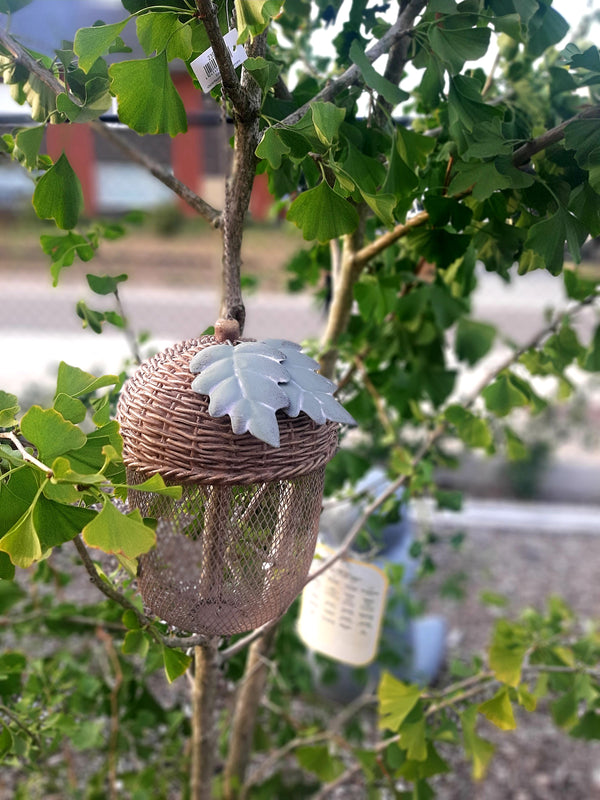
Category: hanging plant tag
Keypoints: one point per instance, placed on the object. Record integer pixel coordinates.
(205, 67)
(342, 610)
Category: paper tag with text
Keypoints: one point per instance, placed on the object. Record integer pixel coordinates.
(205, 67)
(342, 610)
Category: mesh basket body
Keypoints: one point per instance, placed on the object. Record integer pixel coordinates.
(235, 550)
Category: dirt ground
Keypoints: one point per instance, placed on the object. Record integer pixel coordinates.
(536, 761)
(191, 259)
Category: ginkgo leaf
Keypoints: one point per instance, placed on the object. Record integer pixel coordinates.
(243, 382)
(121, 534)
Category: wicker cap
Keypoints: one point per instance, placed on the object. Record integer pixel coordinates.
(167, 429)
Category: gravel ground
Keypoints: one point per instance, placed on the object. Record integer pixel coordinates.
(536, 761)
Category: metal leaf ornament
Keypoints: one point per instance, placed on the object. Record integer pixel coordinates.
(251, 381)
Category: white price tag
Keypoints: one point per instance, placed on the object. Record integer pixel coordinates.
(342, 610)
(205, 67)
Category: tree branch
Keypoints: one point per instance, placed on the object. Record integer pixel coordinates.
(163, 174)
(524, 153)
(401, 28)
(247, 703)
(50, 80)
(238, 190)
(204, 741)
(232, 87)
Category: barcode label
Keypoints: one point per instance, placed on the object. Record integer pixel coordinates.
(211, 68)
(205, 67)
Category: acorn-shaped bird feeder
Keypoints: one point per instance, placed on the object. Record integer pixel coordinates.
(246, 428)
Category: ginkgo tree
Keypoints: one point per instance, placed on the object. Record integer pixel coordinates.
(410, 161)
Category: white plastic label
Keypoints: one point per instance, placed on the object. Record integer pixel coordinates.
(342, 610)
(205, 67)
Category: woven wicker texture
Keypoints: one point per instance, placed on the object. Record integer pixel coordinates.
(166, 428)
(235, 550)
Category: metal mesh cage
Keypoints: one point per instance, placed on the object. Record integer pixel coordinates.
(234, 551)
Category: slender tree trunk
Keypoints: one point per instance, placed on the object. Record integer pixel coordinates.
(248, 700)
(204, 740)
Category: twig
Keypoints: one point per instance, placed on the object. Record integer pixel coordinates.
(204, 209)
(19, 722)
(524, 153)
(386, 423)
(50, 80)
(26, 456)
(129, 334)
(402, 28)
(113, 740)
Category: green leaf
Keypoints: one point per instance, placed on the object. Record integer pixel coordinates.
(318, 760)
(51, 433)
(57, 523)
(9, 407)
(91, 43)
(272, 147)
(175, 662)
(502, 396)
(71, 409)
(327, 119)
(7, 570)
(382, 205)
(97, 102)
(396, 701)
(547, 241)
(163, 31)
(473, 340)
(105, 284)
(468, 115)
(74, 382)
(375, 297)
(62, 473)
(498, 709)
(473, 431)
(253, 16)
(6, 737)
(583, 136)
(588, 727)
(515, 448)
(264, 72)
(148, 100)
(136, 643)
(455, 46)
(156, 484)
(12, 6)
(58, 195)
(28, 142)
(21, 542)
(479, 750)
(545, 29)
(63, 248)
(121, 534)
(322, 214)
(413, 739)
(591, 360)
(388, 90)
(509, 645)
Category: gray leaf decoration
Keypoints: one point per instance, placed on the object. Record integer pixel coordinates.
(307, 390)
(252, 381)
(244, 382)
